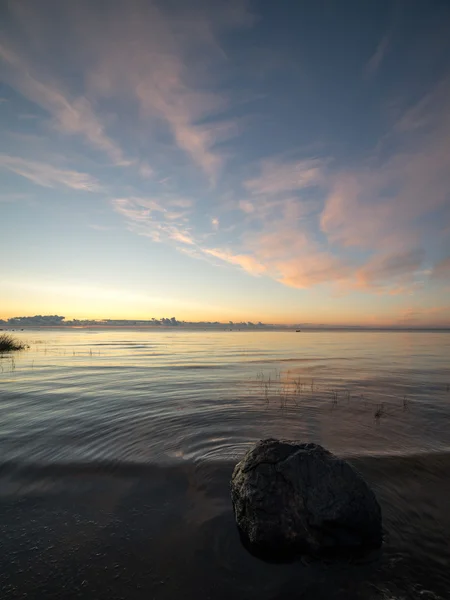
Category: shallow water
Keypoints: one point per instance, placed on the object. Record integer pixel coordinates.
(140, 396)
(116, 449)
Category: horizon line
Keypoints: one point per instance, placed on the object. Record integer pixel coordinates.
(55, 321)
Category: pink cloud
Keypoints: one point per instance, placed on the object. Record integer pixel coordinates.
(164, 62)
(313, 269)
(157, 59)
(357, 214)
(245, 261)
(49, 176)
(382, 206)
(180, 236)
(303, 222)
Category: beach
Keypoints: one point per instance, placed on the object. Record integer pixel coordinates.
(169, 532)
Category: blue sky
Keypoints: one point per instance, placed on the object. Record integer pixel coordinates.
(284, 162)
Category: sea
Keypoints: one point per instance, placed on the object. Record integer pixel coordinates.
(117, 446)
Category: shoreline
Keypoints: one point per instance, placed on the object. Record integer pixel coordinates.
(137, 531)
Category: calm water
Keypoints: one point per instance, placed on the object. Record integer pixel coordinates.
(155, 396)
(116, 450)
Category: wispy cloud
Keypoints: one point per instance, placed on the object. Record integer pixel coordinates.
(150, 218)
(70, 116)
(49, 176)
(382, 205)
(245, 261)
(308, 223)
(179, 236)
(164, 63)
(363, 228)
(377, 58)
(161, 63)
(278, 177)
(391, 270)
(147, 83)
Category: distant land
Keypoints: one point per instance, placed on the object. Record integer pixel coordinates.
(165, 322)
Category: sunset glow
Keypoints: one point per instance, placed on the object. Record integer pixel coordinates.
(226, 161)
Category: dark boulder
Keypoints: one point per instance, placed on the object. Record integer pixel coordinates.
(292, 498)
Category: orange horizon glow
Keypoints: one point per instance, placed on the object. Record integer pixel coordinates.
(326, 321)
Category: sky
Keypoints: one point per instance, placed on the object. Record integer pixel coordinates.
(287, 162)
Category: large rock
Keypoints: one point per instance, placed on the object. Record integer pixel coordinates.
(292, 498)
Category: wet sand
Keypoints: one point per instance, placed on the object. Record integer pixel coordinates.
(128, 531)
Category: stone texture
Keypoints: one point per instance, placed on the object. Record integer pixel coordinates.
(292, 498)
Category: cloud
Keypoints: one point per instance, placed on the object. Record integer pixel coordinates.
(372, 217)
(391, 270)
(146, 171)
(154, 74)
(246, 206)
(245, 261)
(313, 269)
(49, 176)
(165, 62)
(354, 213)
(70, 116)
(384, 204)
(180, 236)
(283, 248)
(313, 222)
(150, 218)
(162, 63)
(377, 58)
(277, 178)
(281, 242)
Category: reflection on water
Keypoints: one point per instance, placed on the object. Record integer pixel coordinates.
(140, 396)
